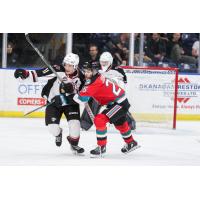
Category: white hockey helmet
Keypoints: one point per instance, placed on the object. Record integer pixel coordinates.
(106, 60)
(71, 59)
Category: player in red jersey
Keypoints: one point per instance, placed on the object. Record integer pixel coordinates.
(105, 92)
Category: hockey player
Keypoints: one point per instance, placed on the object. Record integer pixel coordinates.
(53, 92)
(115, 74)
(106, 92)
(109, 71)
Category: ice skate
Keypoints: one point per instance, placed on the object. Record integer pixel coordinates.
(98, 152)
(75, 148)
(130, 147)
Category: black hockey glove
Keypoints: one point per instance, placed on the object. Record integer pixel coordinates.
(21, 73)
(66, 88)
(60, 100)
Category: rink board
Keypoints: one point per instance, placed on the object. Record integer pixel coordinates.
(17, 98)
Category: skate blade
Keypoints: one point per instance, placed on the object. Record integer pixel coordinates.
(136, 147)
(97, 156)
(77, 154)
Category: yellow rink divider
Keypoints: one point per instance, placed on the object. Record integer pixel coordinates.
(21, 114)
(188, 117)
(139, 117)
(164, 117)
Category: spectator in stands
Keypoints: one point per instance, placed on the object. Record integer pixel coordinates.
(12, 57)
(195, 49)
(156, 48)
(93, 54)
(177, 53)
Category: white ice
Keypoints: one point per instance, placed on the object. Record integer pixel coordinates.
(27, 142)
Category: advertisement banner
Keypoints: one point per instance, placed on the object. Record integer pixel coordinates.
(18, 97)
(188, 102)
(151, 93)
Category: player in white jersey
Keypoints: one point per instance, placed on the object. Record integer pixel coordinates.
(53, 90)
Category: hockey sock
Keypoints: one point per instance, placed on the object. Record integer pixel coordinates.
(101, 137)
(100, 121)
(73, 141)
(125, 132)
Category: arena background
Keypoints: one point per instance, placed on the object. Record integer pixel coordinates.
(78, 16)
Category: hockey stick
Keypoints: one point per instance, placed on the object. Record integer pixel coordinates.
(42, 57)
(28, 113)
(56, 74)
(89, 111)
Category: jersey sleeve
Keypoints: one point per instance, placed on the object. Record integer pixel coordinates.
(84, 95)
(121, 71)
(46, 71)
(88, 91)
(82, 79)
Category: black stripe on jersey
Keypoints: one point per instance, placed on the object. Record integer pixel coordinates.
(127, 137)
(102, 138)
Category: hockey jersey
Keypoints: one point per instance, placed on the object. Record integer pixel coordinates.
(103, 90)
(52, 88)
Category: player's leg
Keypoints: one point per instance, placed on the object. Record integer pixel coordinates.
(100, 121)
(125, 131)
(117, 114)
(110, 114)
(72, 114)
(52, 120)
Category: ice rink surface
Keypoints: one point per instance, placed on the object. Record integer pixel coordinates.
(27, 142)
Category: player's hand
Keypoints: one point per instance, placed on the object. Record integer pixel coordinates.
(66, 88)
(60, 100)
(21, 73)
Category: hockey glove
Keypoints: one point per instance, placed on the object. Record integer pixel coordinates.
(21, 73)
(66, 88)
(60, 100)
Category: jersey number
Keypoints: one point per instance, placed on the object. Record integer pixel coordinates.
(114, 89)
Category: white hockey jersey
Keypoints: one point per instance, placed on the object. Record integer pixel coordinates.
(53, 84)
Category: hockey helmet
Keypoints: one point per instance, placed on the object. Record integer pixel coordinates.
(106, 60)
(71, 59)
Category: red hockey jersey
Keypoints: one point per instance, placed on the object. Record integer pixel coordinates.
(103, 91)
